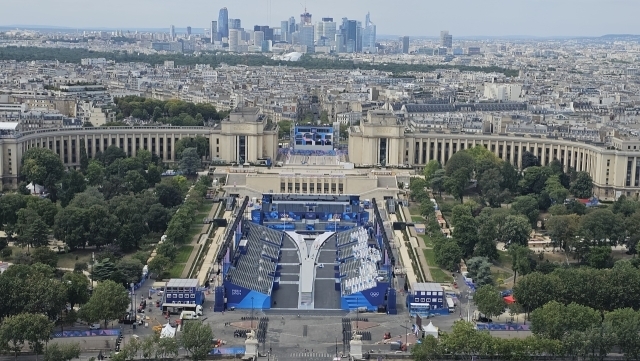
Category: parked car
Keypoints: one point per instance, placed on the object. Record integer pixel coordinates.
(95, 326)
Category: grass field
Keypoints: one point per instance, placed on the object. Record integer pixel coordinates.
(183, 254)
(430, 257)
(505, 259)
(176, 270)
(204, 210)
(440, 275)
(417, 219)
(427, 241)
(68, 260)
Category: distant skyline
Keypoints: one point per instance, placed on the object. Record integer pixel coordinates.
(542, 18)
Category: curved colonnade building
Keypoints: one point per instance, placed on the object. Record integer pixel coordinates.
(382, 139)
(243, 137)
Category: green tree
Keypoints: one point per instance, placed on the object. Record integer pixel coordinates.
(582, 187)
(32, 329)
(32, 231)
(489, 301)
(418, 192)
(95, 173)
(429, 349)
(196, 339)
(135, 182)
(159, 264)
(600, 257)
(625, 326)
(430, 170)
(448, 254)
(84, 159)
(72, 227)
(154, 174)
(62, 352)
(479, 270)
(45, 256)
(535, 290)
(489, 182)
(601, 226)
(460, 161)
(557, 192)
(529, 160)
(169, 194)
(457, 183)
(528, 207)
(466, 235)
(189, 161)
(131, 269)
(77, 288)
(108, 301)
(555, 320)
(520, 260)
(534, 180)
(111, 154)
(42, 166)
(73, 183)
(510, 177)
(437, 181)
(516, 230)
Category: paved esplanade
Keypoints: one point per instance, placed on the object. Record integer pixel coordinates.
(308, 254)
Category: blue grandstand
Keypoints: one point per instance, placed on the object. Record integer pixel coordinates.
(306, 252)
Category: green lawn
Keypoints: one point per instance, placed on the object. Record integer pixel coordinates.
(505, 259)
(68, 260)
(195, 230)
(427, 241)
(183, 254)
(204, 210)
(430, 257)
(176, 270)
(417, 219)
(440, 275)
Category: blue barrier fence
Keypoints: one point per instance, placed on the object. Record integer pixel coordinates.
(501, 327)
(86, 333)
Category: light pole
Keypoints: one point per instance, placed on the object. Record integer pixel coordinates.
(406, 335)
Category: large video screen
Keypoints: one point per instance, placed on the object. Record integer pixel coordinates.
(313, 138)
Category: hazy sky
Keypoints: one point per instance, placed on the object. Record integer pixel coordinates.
(392, 17)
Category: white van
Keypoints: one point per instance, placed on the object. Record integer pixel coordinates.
(188, 315)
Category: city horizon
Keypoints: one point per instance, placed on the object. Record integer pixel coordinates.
(204, 30)
(544, 20)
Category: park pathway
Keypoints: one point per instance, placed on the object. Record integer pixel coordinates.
(199, 240)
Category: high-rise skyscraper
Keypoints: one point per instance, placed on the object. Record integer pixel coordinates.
(235, 24)
(214, 31)
(189, 30)
(305, 18)
(284, 31)
(352, 35)
(234, 39)
(306, 37)
(172, 32)
(292, 25)
(405, 45)
(446, 40)
(369, 36)
(258, 38)
(326, 31)
(223, 23)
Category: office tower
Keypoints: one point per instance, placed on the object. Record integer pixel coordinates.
(369, 36)
(266, 46)
(305, 18)
(234, 39)
(268, 32)
(340, 48)
(352, 35)
(235, 24)
(172, 32)
(188, 31)
(292, 25)
(306, 37)
(258, 38)
(446, 40)
(223, 23)
(325, 31)
(284, 31)
(405, 45)
(214, 31)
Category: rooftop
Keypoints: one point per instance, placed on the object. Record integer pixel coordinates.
(429, 286)
(182, 282)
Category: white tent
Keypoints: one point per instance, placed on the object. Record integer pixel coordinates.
(167, 331)
(430, 329)
(35, 188)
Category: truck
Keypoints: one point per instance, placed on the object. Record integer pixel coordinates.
(451, 305)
